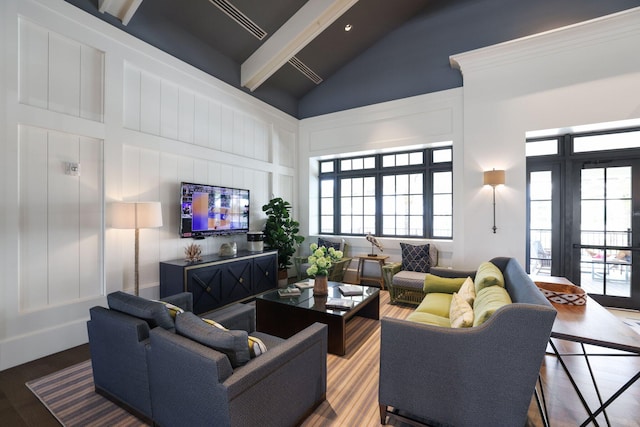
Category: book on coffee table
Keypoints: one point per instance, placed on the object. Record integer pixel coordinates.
(305, 284)
(349, 290)
(339, 303)
(291, 291)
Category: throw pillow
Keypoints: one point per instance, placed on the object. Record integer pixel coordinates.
(468, 291)
(255, 344)
(173, 310)
(415, 258)
(460, 312)
(488, 275)
(338, 246)
(232, 343)
(445, 285)
(488, 300)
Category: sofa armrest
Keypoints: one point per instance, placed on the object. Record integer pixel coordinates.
(285, 383)
(464, 376)
(388, 271)
(184, 300)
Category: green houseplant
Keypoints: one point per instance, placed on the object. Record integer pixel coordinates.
(281, 232)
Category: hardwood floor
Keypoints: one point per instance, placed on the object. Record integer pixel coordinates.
(352, 389)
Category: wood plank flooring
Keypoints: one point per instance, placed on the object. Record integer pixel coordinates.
(352, 390)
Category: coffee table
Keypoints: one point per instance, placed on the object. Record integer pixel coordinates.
(284, 317)
(591, 324)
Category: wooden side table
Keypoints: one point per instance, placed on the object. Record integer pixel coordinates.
(380, 259)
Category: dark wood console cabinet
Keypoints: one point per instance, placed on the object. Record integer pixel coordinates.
(216, 281)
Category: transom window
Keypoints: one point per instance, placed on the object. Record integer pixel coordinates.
(403, 194)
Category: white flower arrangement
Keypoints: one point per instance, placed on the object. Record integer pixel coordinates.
(321, 260)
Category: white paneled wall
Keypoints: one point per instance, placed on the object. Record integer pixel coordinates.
(163, 108)
(61, 218)
(138, 122)
(60, 74)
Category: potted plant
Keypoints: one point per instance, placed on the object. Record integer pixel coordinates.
(281, 233)
(321, 260)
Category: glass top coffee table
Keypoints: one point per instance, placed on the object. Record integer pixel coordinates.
(285, 316)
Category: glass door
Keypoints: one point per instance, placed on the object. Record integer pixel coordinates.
(608, 256)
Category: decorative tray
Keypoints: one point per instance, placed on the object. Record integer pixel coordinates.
(563, 293)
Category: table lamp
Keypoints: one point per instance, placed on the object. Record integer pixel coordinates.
(136, 215)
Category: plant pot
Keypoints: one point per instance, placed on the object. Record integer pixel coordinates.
(320, 285)
(283, 278)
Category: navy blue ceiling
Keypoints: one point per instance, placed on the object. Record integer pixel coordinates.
(402, 49)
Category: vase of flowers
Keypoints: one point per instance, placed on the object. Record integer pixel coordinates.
(321, 260)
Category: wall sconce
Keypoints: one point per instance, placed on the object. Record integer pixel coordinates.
(136, 215)
(494, 178)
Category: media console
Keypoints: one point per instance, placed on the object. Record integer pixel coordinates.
(216, 281)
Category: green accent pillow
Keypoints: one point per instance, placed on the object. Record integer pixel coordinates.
(487, 302)
(428, 318)
(488, 275)
(436, 303)
(460, 313)
(447, 285)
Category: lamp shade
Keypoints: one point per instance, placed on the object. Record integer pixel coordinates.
(129, 215)
(494, 177)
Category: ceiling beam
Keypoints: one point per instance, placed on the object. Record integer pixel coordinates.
(121, 9)
(292, 37)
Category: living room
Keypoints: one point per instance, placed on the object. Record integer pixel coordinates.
(60, 254)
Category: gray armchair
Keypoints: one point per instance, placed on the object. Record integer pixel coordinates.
(479, 376)
(194, 385)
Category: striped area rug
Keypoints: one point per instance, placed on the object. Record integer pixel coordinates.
(352, 384)
(69, 395)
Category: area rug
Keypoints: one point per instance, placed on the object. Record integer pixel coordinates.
(70, 397)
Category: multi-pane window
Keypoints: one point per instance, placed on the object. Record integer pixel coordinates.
(406, 194)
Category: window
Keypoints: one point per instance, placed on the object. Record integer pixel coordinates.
(404, 194)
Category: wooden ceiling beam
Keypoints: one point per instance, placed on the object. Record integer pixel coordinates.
(312, 18)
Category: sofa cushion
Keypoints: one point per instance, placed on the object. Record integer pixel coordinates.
(447, 285)
(488, 300)
(415, 258)
(488, 275)
(436, 303)
(338, 246)
(429, 318)
(154, 313)
(231, 343)
(460, 312)
(468, 291)
(409, 279)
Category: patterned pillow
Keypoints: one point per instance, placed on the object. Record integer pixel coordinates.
(256, 345)
(460, 312)
(415, 258)
(468, 291)
(329, 244)
(173, 310)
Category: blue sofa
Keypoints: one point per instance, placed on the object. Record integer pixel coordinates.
(478, 376)
(141, 363)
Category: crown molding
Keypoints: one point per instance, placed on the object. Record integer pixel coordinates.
(584, 34)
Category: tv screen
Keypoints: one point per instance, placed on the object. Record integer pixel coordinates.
(210, 210)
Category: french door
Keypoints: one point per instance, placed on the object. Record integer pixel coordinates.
(606, 244)
(584, 221)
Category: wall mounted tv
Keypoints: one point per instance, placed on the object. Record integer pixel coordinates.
(210, 210)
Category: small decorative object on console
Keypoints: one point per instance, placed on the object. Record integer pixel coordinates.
(193, 252)
(228, 249)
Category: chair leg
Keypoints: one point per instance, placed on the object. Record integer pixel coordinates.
(383, 414)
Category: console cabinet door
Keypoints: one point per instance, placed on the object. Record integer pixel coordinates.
(264, 273)
(206, 286)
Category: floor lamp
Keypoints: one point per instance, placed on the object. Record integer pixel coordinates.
(494, 178)
(136, 215)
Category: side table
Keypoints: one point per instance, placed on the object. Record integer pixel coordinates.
(380, 259)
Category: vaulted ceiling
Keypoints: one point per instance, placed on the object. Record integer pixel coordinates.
(298, 56)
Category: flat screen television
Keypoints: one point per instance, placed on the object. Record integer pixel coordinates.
(211, 210)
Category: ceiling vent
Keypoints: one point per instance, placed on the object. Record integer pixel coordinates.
(242, 19)
(300, 66)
